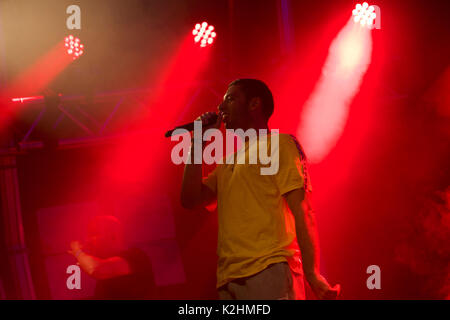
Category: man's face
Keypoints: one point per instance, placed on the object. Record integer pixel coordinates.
(234, 109)
(104, 237)
(99, 245)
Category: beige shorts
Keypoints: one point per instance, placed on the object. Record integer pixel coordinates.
(276, 282)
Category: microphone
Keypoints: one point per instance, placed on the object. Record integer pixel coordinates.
(190, 126)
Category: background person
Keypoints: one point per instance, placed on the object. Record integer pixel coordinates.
(121, 273)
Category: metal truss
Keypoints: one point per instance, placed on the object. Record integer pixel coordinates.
(75, 121)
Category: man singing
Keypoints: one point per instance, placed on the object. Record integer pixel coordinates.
(265, 221)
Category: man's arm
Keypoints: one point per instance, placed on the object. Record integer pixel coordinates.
(97, 268)
(193, 192)
(305, 225)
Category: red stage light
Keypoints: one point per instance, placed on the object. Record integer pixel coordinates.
(364, 14)
(74, 46)
(204, 34)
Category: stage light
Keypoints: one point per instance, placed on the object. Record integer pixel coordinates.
(364, 14)
(74, 46)
(204, 34)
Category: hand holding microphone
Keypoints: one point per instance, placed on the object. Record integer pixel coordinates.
(209, 120)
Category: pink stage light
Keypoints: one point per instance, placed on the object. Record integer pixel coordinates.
(325, 113)
(74, 46)
(364, 14)
(24, 99)
(204, 34)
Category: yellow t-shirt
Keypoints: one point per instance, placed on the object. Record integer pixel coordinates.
(256, 226)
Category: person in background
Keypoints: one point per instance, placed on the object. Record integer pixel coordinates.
(121, 273)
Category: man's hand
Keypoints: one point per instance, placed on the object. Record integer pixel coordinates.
(75, 246)
(207, 116)
(322, 288)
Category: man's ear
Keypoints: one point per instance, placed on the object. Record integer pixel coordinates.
(255, 104)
